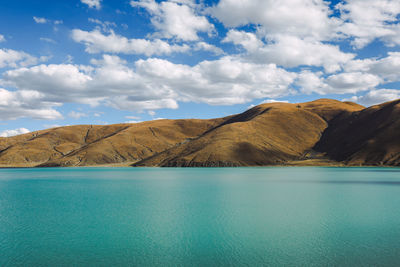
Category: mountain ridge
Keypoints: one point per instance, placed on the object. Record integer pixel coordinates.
(322, 132)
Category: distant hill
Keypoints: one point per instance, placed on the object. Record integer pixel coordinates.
(323, 132)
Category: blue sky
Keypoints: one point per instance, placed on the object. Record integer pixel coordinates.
(72, 62)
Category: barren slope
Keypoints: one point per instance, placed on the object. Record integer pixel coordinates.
(368, 137)
(85, 145)
(321, 132)
(268, 134)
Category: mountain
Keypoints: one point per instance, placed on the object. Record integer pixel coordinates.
(368, 137)
(87, 145)
(268, 134)
(321, 132)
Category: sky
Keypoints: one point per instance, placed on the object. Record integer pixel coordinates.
(69, 62)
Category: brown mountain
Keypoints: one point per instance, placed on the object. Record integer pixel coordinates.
(268, 134)
(321, 132)
(87, 145)
(368, 137)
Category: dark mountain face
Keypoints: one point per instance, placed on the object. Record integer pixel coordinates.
(321, 132)
(367, 137)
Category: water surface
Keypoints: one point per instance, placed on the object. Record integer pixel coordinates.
(295, 216)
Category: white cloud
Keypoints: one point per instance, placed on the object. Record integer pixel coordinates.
(152, 84)
(24, 103)
(76, 115)
(58, 83)
(220, 82)
(96, 42)
(301, 18)
(92, 3)
(342, 83)
(388, 68)
(176, 19)
(13, 58)
(110, 81)
(352, 82)
(8, 133)
(208, 47)
(310, 82)
(290, 51)
(377, 96)
(2, 38)
(366, 20)
(40, 20)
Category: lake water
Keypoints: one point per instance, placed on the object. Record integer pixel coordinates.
(294, 216)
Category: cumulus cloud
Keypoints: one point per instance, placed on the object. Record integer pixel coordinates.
(352, 82)
(301, 18)
(155, 83)
(92, 3)
(176, 19)
(13, 58)
(208, 47)
(24, 103)
(290, 51)
(366, 20)
(97, 42)
(224, 81)
(342, 83)
(58, 83)
(388, 68)
(377, 96)
(152, 84)
(8, 133)
(2, 38)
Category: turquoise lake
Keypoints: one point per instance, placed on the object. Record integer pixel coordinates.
(293, 216)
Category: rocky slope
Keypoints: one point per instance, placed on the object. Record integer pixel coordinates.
(321, 132)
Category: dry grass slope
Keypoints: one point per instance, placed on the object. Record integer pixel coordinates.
(368, 137)
(268, 134)
(324, 132)
(87, 145)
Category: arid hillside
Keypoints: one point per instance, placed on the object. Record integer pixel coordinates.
(367, 137)
(322, 132)
(268, 134)
(90, 145)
